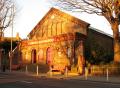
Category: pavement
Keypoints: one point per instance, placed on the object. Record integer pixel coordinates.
(69, 76)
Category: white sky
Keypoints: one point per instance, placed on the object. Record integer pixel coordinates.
(30, 12)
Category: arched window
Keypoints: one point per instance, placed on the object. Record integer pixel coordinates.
(33, 56)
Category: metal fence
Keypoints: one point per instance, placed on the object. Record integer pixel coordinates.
(95, 72)
(103, 70)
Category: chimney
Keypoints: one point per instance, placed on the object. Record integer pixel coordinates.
(17, 36)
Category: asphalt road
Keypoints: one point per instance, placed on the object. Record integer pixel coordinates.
(22, 81)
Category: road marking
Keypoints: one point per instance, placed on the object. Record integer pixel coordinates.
(108, 82)
(2, 77)
(26, 82)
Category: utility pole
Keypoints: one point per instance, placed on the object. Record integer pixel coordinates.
(0, 58)
(11, 54)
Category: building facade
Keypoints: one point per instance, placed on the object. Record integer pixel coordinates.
(62, 41)
(57, 40)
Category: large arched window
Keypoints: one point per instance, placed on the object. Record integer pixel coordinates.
(33, 56)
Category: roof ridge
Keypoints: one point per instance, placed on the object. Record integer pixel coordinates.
(100, 31)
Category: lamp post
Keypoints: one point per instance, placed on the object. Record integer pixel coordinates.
(1, 58)
(11, 54)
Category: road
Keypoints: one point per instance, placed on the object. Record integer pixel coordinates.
(23, 81)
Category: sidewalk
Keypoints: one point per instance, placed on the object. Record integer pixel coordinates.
(104, 79)
(69, 76)
(75, 76)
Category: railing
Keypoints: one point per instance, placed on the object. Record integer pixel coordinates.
(102, 73)
(101, 70)
(95, 73)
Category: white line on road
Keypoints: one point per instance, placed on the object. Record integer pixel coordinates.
(26, 82)
(108, 82)
(2, 77)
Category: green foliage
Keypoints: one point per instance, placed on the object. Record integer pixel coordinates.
(6, 45)
(97, 54)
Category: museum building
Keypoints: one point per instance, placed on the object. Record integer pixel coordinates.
(58, 40)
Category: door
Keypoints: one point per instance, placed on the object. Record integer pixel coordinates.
(33, 56)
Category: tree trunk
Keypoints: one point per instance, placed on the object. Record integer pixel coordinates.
(115, 28)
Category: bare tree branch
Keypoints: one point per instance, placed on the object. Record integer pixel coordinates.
(6, 14)
(107, 8)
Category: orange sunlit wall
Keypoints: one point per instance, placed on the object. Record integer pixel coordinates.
(57, 40)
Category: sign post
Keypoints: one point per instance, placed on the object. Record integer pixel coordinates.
(107, 74)
(37, 70)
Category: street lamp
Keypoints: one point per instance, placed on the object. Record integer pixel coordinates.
(11, 54)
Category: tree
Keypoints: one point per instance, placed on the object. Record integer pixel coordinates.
(96, 53)
(6, 45)
(6, 15)
(110, 9)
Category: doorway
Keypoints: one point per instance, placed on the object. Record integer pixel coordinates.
(33, 56)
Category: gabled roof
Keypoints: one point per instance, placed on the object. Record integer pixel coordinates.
(99, 31)
(60, 13)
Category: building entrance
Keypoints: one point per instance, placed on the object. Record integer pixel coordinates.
(33, 56)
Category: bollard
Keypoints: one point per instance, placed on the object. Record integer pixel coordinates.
(66, 72)
(50, 71)
(107, 74)
(86, 73)
(26, 69)
(37, 70)
(79, 70)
